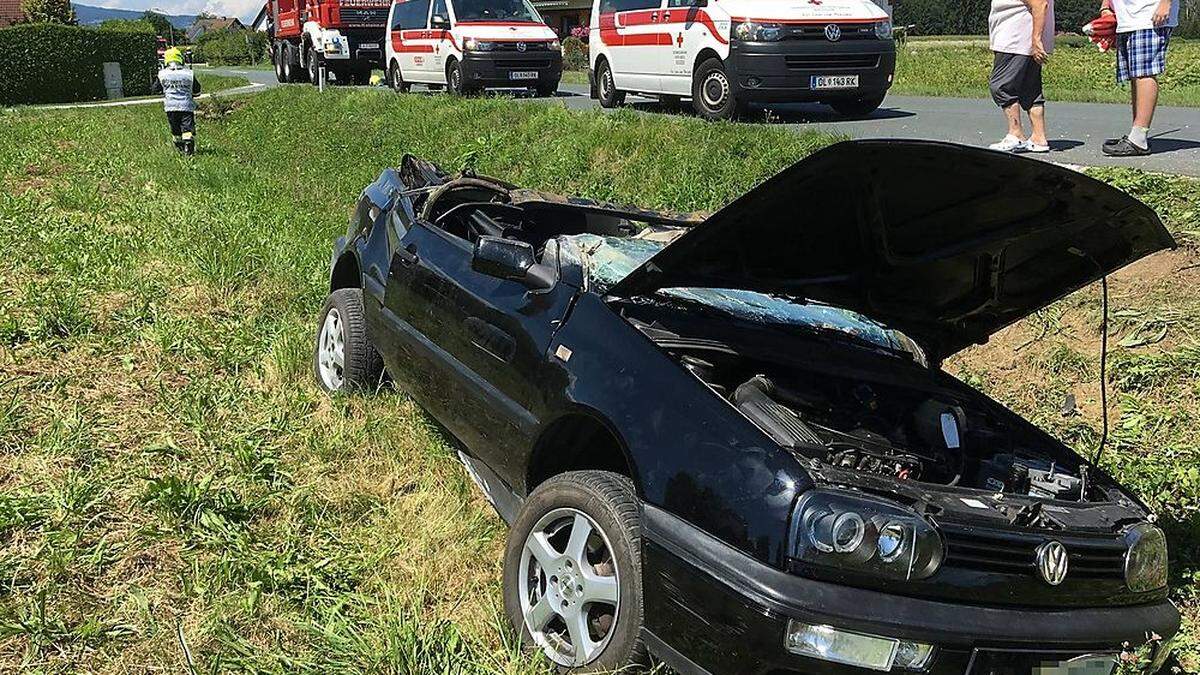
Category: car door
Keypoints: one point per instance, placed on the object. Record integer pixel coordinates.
(690, 30)
(636, 42)
(410, 39)
(478, 343)
(440, 36)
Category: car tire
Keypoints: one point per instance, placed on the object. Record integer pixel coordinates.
(858, 107)
(396, 80)
(289, 70)
(342, 319)
(606, 87)
(277, 61)
(606, 505)
(712, 92)
(313, 67)
(455, 83)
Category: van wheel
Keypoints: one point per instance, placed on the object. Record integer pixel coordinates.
(573, 572)
(456, 82)
(858, 107)
(277, 61)
(314, 67)
(606, 87)
(396, 80)
(712, 92)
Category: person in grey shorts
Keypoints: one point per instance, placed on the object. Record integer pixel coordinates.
(1021, 35)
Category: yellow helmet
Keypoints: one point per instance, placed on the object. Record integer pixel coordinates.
(173, 55)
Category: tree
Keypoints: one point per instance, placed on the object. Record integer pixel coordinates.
(125, 26)
(162, 25)
(49, 11)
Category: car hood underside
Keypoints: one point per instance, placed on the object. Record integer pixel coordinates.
(944, 242)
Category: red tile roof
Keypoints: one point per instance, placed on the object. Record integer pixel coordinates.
(10, 11)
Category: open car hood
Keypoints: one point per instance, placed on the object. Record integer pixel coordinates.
(944, 242)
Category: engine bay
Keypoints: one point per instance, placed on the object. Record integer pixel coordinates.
(910, 424)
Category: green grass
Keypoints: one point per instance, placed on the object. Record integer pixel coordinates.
(1076, 72)
(177, 494)
(211, 82)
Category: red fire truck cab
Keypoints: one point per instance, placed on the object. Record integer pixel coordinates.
(343, 36)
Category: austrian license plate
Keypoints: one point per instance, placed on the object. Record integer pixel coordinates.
(369, 45)
(833, 81)
(1090, 664)
(523, 75)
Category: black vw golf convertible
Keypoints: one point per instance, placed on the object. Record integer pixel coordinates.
(726, 443)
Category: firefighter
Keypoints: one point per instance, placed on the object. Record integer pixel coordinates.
(179, 87)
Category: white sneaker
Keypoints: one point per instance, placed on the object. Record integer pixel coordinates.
(1010, 144)
(1034, 147)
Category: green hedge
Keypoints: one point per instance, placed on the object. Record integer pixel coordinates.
(231, 47)
(52, 63)
(969, 17)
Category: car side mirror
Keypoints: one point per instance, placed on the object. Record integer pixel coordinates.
(439, 21)
(512, 260)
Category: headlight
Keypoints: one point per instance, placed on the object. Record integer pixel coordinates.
(750, 31)
(871, 536)
(554, 45)
(333, 44)
(476, 45)
(1146, 559)
(883, 30)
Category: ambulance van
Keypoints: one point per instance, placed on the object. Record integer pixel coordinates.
(728, 54)
(469, 45)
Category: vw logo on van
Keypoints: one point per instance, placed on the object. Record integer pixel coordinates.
(833, 32)
(1052, 562)
(521, 46)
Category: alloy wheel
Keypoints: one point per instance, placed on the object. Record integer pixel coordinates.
(569, 588)
(331, 351)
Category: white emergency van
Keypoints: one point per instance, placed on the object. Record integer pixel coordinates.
(727, 54)
(468, 45)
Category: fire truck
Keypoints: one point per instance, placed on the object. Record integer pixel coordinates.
(343, 36)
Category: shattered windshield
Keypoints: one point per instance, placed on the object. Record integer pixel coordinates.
(610, 259)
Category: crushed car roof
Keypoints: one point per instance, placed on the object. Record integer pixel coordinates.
(944, 242)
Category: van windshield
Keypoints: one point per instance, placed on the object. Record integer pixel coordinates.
(495, 10)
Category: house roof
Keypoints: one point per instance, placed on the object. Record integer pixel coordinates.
(10, 11)
(201, 26)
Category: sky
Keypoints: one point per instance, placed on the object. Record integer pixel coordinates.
(242, 9)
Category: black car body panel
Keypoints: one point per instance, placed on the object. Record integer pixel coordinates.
(507, 368)
(949, 244)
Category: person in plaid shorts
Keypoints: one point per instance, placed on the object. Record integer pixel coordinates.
(1143, 33)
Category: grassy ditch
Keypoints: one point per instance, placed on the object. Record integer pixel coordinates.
(176, 493)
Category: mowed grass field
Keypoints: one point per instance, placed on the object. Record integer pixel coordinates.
(1077, 71)
(177, 494)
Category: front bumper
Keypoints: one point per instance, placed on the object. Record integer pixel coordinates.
(495, 69)
(713, 609)
(782, 71)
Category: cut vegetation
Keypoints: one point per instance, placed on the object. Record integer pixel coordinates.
(177, 493)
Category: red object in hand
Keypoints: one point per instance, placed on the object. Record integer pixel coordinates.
(1102, 31)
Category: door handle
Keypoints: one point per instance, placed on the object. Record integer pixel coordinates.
(666, 17)
(408, 254)
(653, 16)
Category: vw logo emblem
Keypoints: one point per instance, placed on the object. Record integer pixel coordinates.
(833, 32)
(1052, 562)
(521, 46)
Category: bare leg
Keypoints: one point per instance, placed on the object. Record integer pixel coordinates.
(1037, 123)
(1145, 98)
(1013, 114)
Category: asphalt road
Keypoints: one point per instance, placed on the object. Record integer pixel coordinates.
(1076, 130)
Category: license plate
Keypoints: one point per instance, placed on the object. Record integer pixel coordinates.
(1090, 664)
(523, 75)
(833, 81)
(369, 45)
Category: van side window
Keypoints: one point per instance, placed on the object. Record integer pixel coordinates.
(681, 3)
(439, 9)
(607, 6)
(410, 14)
